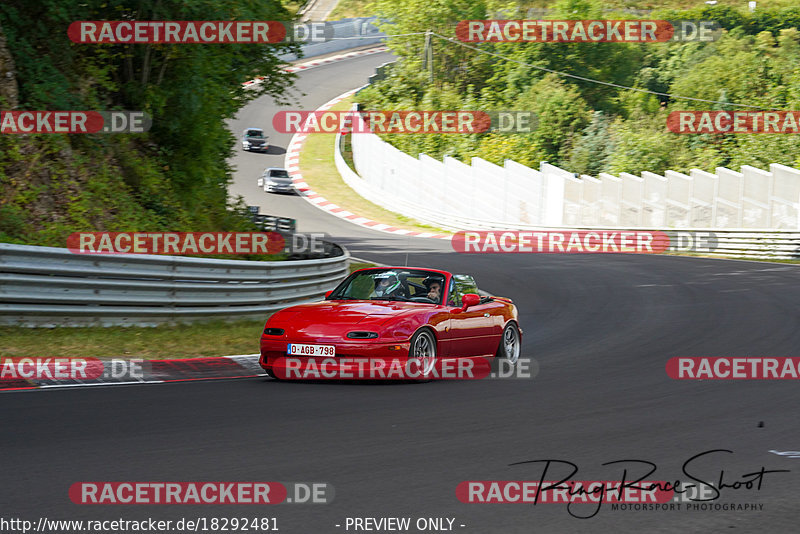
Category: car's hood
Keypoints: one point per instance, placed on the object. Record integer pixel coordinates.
(255, 141)
(334, 318)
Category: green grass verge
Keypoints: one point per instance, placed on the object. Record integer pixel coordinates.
(346, 9)
(319, 171)
(356, 265)
(215, 338)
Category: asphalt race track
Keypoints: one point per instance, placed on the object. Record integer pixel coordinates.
(601, 328)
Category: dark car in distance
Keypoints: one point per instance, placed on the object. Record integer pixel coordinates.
(254, 140)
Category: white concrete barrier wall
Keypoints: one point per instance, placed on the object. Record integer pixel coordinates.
(515, 195)
(347, 33)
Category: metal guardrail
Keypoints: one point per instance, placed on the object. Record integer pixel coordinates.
(271, 223)
(47, 286)
(380, 74)
(739, 243)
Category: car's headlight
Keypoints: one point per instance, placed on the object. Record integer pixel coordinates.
(362, 335)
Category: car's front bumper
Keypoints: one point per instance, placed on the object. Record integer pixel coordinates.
(364, 361)
(277, 188)
(272, 349)
(374, 367)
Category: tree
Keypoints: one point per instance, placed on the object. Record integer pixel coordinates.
(592, 149)
(174, 176)
(644, 144)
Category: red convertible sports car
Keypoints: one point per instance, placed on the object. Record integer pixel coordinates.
(391, 314)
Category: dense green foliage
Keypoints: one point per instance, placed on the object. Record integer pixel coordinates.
(172, 178)
(588, 127)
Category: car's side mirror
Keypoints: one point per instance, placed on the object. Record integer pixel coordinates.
(328, 294)
(470, 299)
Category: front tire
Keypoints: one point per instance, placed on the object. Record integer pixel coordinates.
(423, 350)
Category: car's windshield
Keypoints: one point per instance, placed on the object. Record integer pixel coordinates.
(255, 133)
(413, 285)
(278, 173)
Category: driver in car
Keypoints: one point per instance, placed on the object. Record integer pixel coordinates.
(434, 287)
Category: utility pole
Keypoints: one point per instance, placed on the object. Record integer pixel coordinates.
(429, 54)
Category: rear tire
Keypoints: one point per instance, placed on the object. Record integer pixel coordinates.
(510, 346)
(271, 374)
